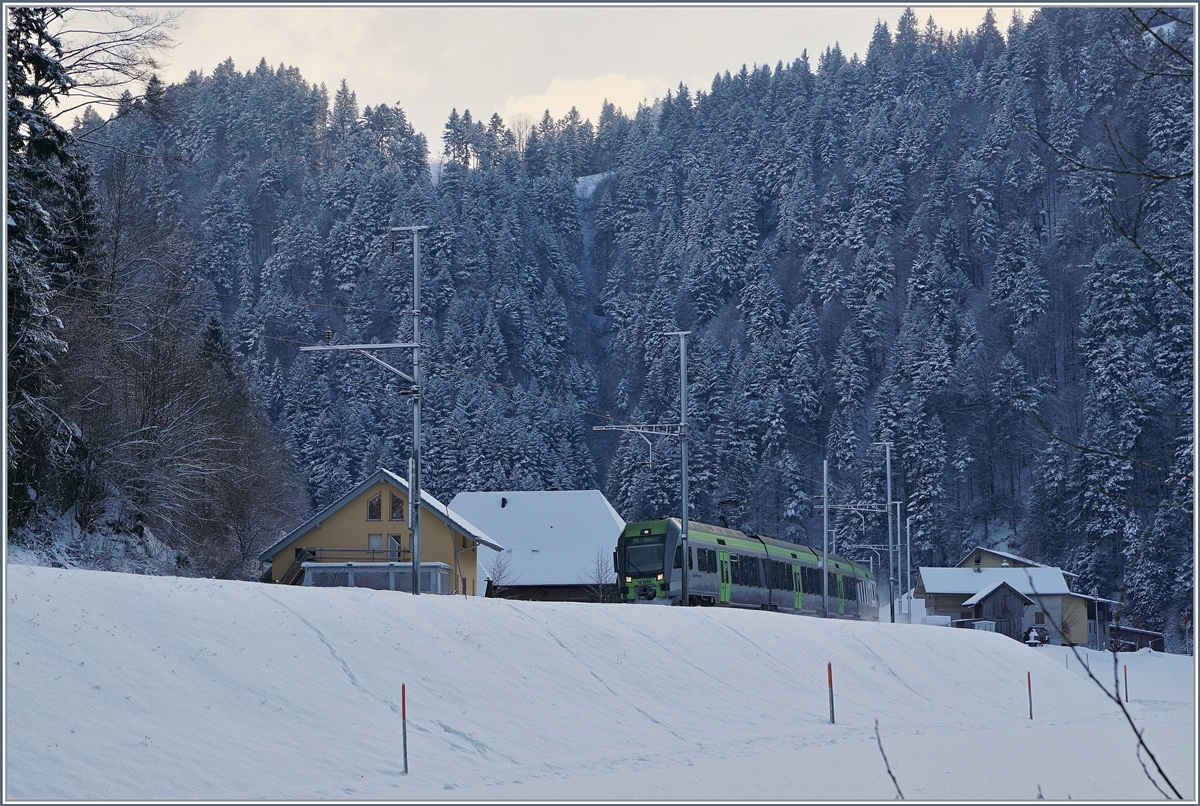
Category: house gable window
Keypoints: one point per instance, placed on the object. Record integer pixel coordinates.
(374, 508)
(397, 508)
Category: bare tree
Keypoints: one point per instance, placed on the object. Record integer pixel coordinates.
(106, 49)
(501, 573)
(599, 578)
(521, 125)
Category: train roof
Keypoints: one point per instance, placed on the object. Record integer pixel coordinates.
(782, 545)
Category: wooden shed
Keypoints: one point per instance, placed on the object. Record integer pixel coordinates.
(1001, 603)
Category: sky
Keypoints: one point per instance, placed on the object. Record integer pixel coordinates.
(123, 687)
(512, 59)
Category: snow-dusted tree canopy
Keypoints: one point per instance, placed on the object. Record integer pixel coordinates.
(977, 247)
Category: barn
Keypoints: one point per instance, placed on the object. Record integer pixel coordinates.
(1001, 604)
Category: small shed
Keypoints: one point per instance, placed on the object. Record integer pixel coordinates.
(1129, 639)
(1002, 604)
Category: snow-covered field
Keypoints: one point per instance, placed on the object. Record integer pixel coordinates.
(135, 687)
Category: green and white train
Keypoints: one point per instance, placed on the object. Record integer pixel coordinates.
(729, 568)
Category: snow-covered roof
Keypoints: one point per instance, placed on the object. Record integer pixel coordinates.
(1029, 581)
(987, 591)
(429, 504)
(1009, 556)
(551, 537)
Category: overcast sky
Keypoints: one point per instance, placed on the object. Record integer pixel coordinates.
(511, 59)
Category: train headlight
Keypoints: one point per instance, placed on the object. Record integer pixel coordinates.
(629, 579)
(660, 577)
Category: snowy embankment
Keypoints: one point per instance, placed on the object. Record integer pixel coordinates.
(134, 687)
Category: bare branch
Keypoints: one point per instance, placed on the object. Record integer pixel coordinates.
(899, 794)
(1115, 697)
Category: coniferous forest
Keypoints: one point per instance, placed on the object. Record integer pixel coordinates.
(975, 246)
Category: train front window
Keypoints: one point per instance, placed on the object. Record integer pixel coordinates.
(644, 555)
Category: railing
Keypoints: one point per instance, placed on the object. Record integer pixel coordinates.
(294, 574)
(358, 555)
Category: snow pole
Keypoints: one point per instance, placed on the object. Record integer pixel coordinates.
(1029, 683)
(404, 726)
(829, 668)
(1126, 670)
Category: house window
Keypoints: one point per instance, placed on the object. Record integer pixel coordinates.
(375, 542)
(373, 508)
(397, 508)
(394, 543)
(1039, 617)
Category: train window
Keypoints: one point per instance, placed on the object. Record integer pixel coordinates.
(752, 567)
(678, 563)
(780, 575)
(706, 560)
(745, 570)
(850, 584)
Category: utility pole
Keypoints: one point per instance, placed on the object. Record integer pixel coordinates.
(683, 476)
(413, 392)
(891, 566)
(825, 534)
(671, 430)
(414, 467)
(908, 577)
(899, 555)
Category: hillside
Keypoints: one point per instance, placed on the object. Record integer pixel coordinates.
(938, 244)
(134, 687)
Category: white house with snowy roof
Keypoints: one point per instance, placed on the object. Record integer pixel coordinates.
(558, 544)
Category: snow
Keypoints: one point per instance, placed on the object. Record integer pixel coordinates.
(552, 537)
(585, 186)
(1029, 581)
(123, 687)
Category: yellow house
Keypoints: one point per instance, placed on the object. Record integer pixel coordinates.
(367, 530)
(1083, 619)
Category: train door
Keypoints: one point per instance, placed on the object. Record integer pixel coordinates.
(723, 569)
(840, 596)
(799, 592)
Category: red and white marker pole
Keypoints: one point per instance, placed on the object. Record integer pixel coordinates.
(404, 726)
(1029, 683)
(829, 668)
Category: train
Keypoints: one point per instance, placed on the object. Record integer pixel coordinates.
(729, 568)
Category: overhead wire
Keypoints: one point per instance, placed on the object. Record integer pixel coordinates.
(605, 416)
